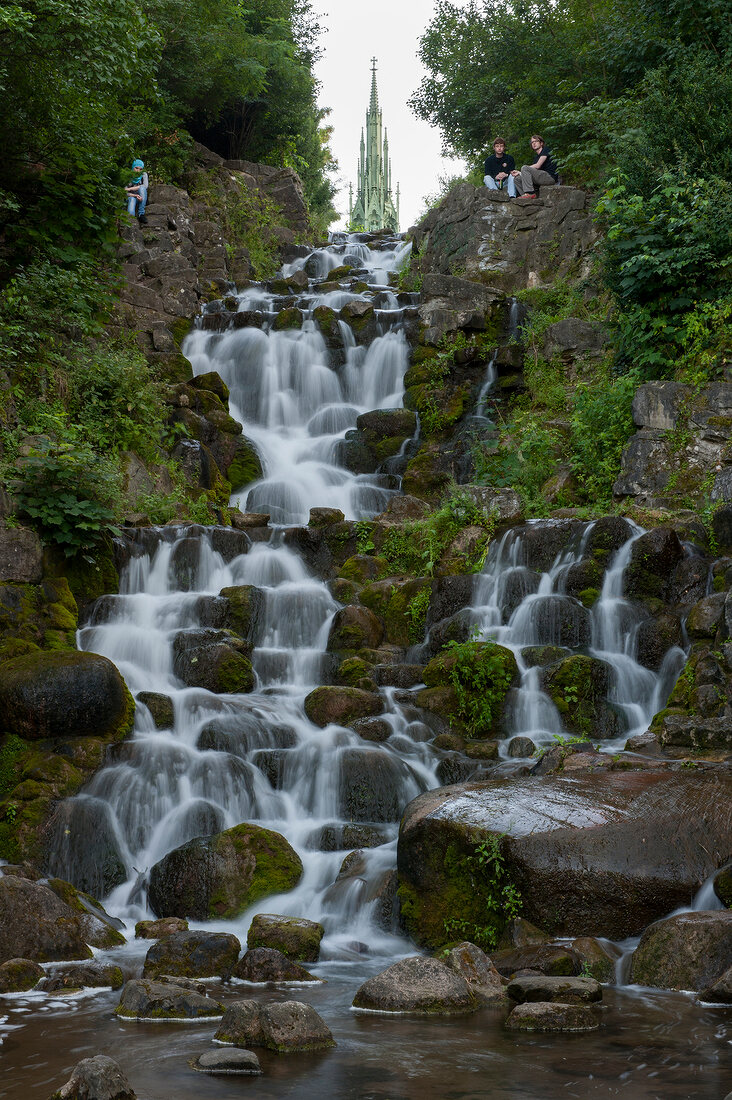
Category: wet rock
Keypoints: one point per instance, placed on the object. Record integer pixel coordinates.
(296, 937)
(723, 886)
(721, 991)
(449, 595)
(599, 853)
(384, 430)
(18, 975)
(521, 747)
(216, 660)
(21, 556)
(689, 951)
(193, 955)
(457, 628)
(689, 581)
(560, 621)
(355, 628)
(479, 972)
(341, 705)
(361, 568)
(64, 694)
(83, 845)
(285, 1027)
(36, 924)
(654, 639)
(267, 964)
(520, 932)
(159, 929)
(372, 729)
(706, 616)
(417, 985)
(150, 1000)
(579, 687)
(244, 732)
(487, 663)
(540, 1016)
(597, 961)
(89, 976)
(228, 1063)
(693, 732)
(541, 543)
(245, 606)
(531, 988)
(160, 707)
(606, 537)
(222, 875)
(653, 559)
(98, 1078)
(399, 676)
(335, 837)
(548, 959)
(515, 586)
(544, 655)
(371, 785)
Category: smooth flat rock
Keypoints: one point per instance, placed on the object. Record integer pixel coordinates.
(419, 985)
(243, 1063)
(542, 988)
(551, 1016)
(143, 1000)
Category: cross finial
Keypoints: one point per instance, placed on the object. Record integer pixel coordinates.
(373, 64)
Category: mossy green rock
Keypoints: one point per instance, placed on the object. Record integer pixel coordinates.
(402, 605)
(99, 929)
(426, 476)
(578, 687)
(36, 924)
(160, 707)
(222, 875)
(341, 705)
(19, 975)
(688, 951)
(485, 672)
(287, 319)
(150, 1000)
(64, 694)
(355, 672)
(245, 466)
(355, 628)
(362, 568)
(246, 603)
(295, 937)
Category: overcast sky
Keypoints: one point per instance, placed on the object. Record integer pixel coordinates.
(388, 30)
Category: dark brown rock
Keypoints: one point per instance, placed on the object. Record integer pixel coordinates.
(551, 1016)
(266, 964)
(98, 1078)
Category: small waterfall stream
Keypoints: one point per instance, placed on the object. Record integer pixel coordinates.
(226, 759)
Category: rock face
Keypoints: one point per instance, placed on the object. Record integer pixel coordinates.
(600, 854)
(285, 1027)
(98, 1078)
(221, 875)
(499, 241)
(64, 694)
(295, 937)
(417, 985)
(36, 924)
(655, 469)
(146, 1000)
(689, 951)
(193, 955)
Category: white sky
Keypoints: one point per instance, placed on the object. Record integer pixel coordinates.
(388, 30)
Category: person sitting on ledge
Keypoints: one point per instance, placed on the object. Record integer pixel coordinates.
(542, 173)
(137, 192)
(498, 169)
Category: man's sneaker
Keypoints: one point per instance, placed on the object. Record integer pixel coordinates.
(142, 219)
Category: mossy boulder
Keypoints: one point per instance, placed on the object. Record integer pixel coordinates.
(160, 707)
(327, 321)
(36, 924)
(402, 604)
(362, 568)
(286, 1027)
(688, 951)
(384, 430)
(245, 607)
(245, 465)
(427, 475)
(341, 705)
(216, 660)
(150, 1000)
(579, 686)
(355, 672)
(19, 975)
(355, 628)
(288, 319)
(469, 685)
(417, 985)
(374, 785)
(222, 875)
(64, 694)
(296, 937)
(98, 927)
(653, 559)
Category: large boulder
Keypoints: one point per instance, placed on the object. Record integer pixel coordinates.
(64, 694)
(266, 964)
(286, 1027)
(222, 875)
(295, 937)
(341, 705)
(216, 660)
(592, 854)
(689, 951)
(19, 975)
(417, 985)
(374, 785)
(149, 1000)
(579, 687)
(479, 972)
(193, 955)
(355, 628)
(97, 1078)
(653, 559)
(36, 924)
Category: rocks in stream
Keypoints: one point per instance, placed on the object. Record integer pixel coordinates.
(552, 1016)
(419, 985)
(689, 951)
(228, 1063)
(285, 1027)
(222, 875)
(267, 964)
(150, 1000)
(97, 1078)
(216, 660)
(295, 937)
(69, 979)
(599, 854)
(193, 955)
(341, 705)
(19, 975)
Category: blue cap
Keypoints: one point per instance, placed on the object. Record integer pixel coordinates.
(137, 164)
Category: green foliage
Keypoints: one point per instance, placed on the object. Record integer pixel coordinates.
(247, 218)
(65, 488)
(417, 609)
(500, 899)
(12, 749)
(602, 424)
(418, 545)
(480, 677)
(364, 536)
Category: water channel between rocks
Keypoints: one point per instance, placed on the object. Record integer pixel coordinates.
(257, 757)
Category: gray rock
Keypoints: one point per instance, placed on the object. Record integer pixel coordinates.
(146, 1000)
(21, 556)
(503, 505)
(658, 404)
(543, 988)
(479, 972)
(721, 991)
(690, 951)
(552, 1016)
(19, 975)
(285, 1027)
(193, 954)
(223, 1063)
(417, 985)
(266, 964)
(98, 1078)
(572, 337)
(89, 976)
(36, 924)
(296, 937)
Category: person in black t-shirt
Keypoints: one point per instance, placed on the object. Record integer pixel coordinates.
(498, 169)
(542, 173)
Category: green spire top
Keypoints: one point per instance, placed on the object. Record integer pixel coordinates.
(374, 208)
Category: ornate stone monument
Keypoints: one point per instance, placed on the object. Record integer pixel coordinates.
(374, 208)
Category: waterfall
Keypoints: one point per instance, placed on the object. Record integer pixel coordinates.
(226, 759)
